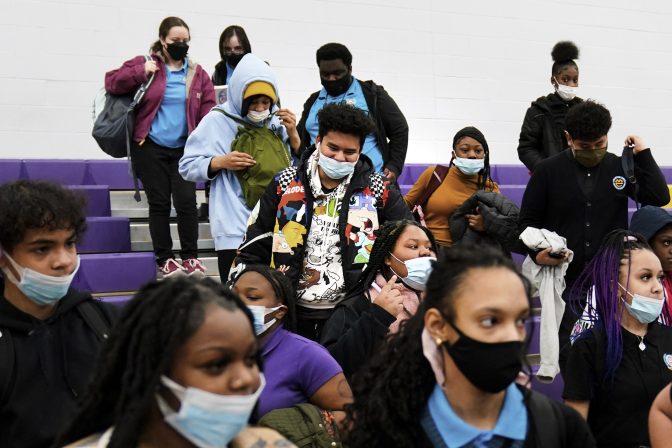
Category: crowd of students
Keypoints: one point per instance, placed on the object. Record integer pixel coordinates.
(353, 315)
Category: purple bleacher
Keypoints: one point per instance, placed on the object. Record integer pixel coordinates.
(97, 199)
(533, 327)
(513, 192)
(100, 273)
(10, 170)
(65, 172)
(510, 174)
(113, 173)
(106, 234)
(411, 172)
(552, 390)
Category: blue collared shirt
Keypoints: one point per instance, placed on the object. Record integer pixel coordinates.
(456, 433)
(169, 127)
(354, 96)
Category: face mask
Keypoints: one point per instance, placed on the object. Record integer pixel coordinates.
(258, 117)
(567, 93)
(177, 50)
(589, 158)
(418, 271)
(234, 59)
(644, 309)
(205, 419)
(40, 288)
(469, 167)
(260, 313)
(333, 168)
(490, 367)
(337, 86)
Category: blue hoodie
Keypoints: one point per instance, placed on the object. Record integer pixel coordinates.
(213, 137)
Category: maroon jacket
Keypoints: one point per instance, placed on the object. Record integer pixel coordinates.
(128, 77)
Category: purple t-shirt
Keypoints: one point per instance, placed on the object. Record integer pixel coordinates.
(295, 368)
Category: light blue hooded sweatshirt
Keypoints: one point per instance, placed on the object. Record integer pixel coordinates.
(213, 137)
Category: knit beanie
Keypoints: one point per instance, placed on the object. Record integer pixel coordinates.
(257, 88)
(472, 132)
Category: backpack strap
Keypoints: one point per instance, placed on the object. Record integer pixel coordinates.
(233, 117)
(628, 164)
(94, 319)
(548, 423)
(438, 176)
(7, 362)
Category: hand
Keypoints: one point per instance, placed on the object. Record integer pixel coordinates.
(150, 67)
(636, 142)
(390, 175)
(390, 298)
(544, 258)
(234, 161)
(251, 437)
(287, 118)
(476, 221)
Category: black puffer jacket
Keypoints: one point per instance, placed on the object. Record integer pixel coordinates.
(500, 218)
(542, 133)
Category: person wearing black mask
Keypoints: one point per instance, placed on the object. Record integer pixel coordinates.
(582, 194)
(447, 378)
(386, 146)
(233, 45)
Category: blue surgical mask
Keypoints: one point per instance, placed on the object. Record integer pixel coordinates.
(469, 167)
(260, 313)
(333, 168)
(644, 309)
(42, 289)
(205, 419)
(418, 270)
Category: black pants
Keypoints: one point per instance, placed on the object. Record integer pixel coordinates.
(574, 304)
(156, 166)
(224, 261)
(310, 328)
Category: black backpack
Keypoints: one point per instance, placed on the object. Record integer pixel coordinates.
(89, 313)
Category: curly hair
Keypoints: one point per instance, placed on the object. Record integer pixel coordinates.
(29, 204)
(339, 117)
(564, 53)
(282, 287)
(392, 391)
(386, 238)
(331, 51)
(153, 326)
(588, 121)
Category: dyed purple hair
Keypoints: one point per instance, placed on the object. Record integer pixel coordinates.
(602, 275)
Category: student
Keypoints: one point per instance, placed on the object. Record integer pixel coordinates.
(179, 96)
(582, 194)
(616, 368)
(655, 225)
(467, 173)
(660, 419)
(542, 133)
(50, 334)
(253, 97)
(298, 370)
(181, 369)
(387, 294)
(447, 379)
(233, 45)
(316, 222)
(387, 142)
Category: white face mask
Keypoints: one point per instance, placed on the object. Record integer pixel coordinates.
(205, 419)
(258, 117)
(567, 93)
(469, 167)
(260, 313)
(418, 270)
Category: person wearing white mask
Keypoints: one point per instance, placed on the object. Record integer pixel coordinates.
(298, 370)
(208, 156)
(616, 368)
(440, 191)
(316, 222)
(387, 294)
(541, 135)
(48, 342)
(182, 368)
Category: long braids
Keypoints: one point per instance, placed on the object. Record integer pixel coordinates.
(159, 319)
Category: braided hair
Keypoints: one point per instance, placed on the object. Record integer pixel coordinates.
(386, 238)
(282, 287)
(153, 326)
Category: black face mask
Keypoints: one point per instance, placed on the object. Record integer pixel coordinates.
(337, 86)
(177, 50)
(490, 367)
(234, 59)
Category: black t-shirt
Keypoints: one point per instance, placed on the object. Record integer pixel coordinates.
(619, 410)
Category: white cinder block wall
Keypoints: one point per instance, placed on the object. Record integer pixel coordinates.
(447, 63)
